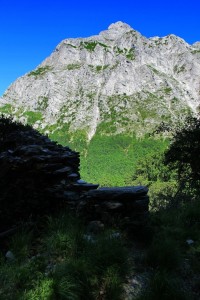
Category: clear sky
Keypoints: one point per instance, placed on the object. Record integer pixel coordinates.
(31, 29)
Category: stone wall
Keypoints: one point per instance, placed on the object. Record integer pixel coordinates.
(34, 173)
(38, 176)
(126, 207)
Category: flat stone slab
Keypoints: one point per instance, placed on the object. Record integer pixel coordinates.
(85, 187)
(118, 193)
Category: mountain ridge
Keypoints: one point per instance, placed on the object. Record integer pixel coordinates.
(116, 82)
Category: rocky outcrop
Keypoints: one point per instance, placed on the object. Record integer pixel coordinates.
(115, 82)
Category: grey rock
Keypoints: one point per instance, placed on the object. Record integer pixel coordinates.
(80, 181)
(129, 193)
(89, 238)
(189, 242)
(115, 235)
(10, 256)
(85, 187)
(113, 205)
(73, 175)
(64, 170)
(85, 79)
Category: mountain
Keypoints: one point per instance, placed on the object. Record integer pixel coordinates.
(116, 82)
(103, 94)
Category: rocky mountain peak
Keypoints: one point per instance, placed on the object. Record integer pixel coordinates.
(196, 45)
(114, 82)
(119, 26)
(116, 30)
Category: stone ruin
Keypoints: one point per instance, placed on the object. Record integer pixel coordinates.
(39, 176)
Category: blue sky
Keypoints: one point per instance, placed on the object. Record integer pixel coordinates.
(31, 29)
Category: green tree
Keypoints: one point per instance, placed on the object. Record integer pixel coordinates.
(152, 168)
(161, 181)
(183, 154)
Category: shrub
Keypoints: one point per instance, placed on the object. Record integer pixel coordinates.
(184, 153)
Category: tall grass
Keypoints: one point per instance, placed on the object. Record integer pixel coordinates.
(60, 262)
(174, 262)
(164, 286)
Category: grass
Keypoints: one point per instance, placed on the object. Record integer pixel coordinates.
(70, 45)
(57, 261)
(40, 71)
(164, 286)
(6, 109)
(179, 69)
(42, 103)
(42, 290)
(73, 67)
(32, 116)
(195, 51)
(101, 68)
(130, 54)
(174, 263)
(90, 46)
(164, 253)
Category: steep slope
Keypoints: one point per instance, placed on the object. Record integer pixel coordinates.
(114, 82)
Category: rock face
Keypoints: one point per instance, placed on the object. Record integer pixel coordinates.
(115, 82)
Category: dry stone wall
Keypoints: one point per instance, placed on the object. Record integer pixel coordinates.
(38, 176)
(126, 207)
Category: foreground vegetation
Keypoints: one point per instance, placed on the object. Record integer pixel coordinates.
(173, 253)
(60, 258)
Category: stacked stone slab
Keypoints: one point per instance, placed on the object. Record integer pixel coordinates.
(34, 173)
(123, 206)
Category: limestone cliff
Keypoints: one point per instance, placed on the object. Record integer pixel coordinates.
(117, 81)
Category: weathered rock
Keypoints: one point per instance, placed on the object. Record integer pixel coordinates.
(10, 256)
(84, 187)
(143, 80)
(129, 205)
(122, 193)
(113, 205)
(65, 170)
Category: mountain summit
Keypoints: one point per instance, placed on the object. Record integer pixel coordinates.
(119, 26)
(116, 82)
